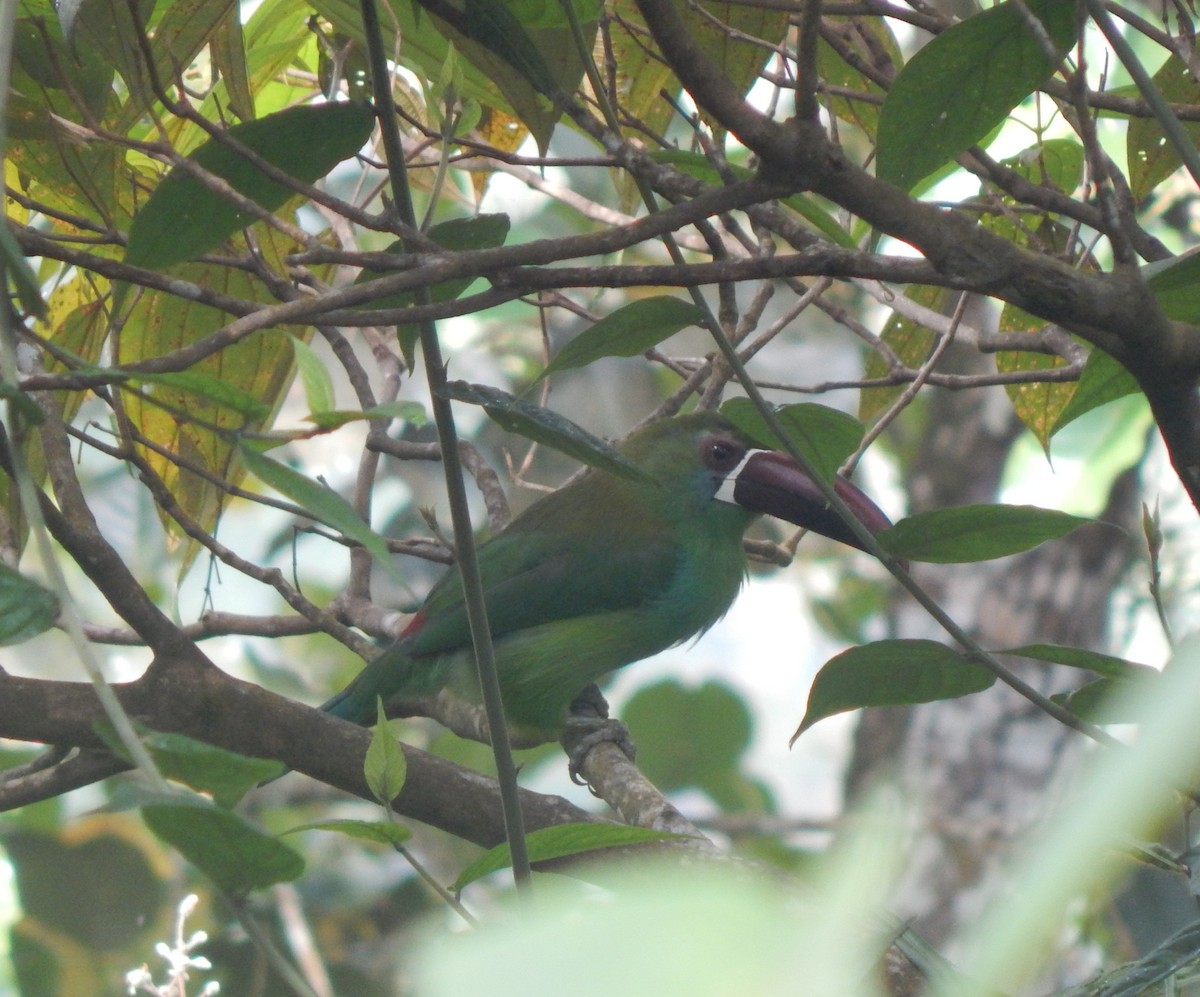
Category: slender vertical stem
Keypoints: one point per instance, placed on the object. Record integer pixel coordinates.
(460, 516)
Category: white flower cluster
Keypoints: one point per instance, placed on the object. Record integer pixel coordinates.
(179, 959)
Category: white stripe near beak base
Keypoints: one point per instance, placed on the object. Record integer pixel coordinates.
(729, 482)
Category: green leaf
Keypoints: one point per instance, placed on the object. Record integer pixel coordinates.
(225, 775)
(1151, 156)
(455, 235)
(891, 673)
(26, 609)
(695, 736)
(497, 28)
(909, 340)
(556, 842)
(1176, 285)
(1106, 700)
(976, 532)
(13, 262)
(1038, 404)
(825, 436)
(183, 219)
(963, 84)
(630, 330)
(314, 375)
(236, 856)
(318, 500)
(1102, 380)
(410, 412)
(808, 206)
(207, 386)
(1078, 657)
(381, 832)
(385, 766)
(545, 427)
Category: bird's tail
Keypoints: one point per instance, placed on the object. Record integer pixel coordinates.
(392, 672)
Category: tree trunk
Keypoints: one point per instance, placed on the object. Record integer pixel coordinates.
(978, 771)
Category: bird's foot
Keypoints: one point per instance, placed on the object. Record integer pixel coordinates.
(588, 724)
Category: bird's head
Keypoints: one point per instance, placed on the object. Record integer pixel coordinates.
(721, 464)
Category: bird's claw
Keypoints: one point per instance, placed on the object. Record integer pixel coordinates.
(588, 725)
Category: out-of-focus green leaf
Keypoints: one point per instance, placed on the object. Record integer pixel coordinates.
(233, 854)
(1106, 700)
(96, 883)
(183, 219)
(975, 532)
(961, 85)
(545, 427)
(626, 332)
(26, 609)
(891, 673)
(559, 841)
(695, 737)
(822, 434)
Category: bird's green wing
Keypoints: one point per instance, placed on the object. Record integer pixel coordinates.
(544, 567)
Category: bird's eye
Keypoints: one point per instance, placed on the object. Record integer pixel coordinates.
(720, 454)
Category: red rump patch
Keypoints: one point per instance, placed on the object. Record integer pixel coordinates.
(414, 624)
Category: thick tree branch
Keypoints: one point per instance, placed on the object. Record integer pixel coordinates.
(1115, 311)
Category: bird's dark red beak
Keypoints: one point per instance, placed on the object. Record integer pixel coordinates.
(774, 484)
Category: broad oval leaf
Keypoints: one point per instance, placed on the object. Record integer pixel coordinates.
(891, 673)
(545, 427)
(236, 856)
(961, 85)
(385, 767)
(225, 775)
(183, 219)
(976, 532)
(632, 329)
(556, 842)
(825, 436)
(26, 609)
(318, 500)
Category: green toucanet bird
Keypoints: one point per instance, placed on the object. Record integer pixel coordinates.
(604, 572)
